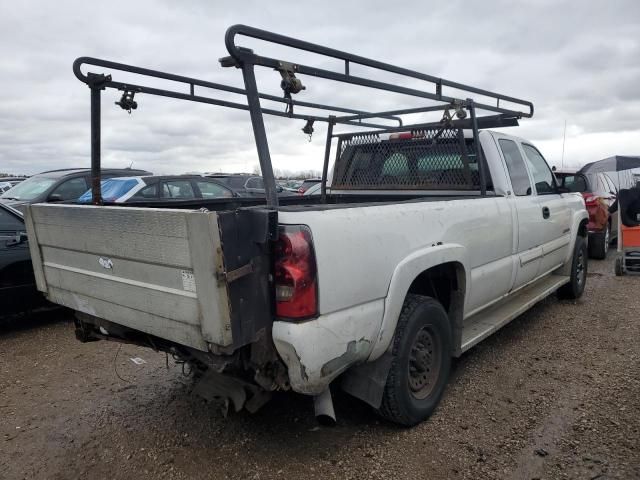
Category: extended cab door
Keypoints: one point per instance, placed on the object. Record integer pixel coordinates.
(528, 237)
(555, 226)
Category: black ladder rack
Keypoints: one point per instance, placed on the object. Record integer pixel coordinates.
(246, 60)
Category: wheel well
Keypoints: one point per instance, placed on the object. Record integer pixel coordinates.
(582, 229)
(439, 282)
(447, 284)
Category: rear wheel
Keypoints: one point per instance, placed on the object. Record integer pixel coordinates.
(619, 269)
(574, 289)
(599, 243)
(421, 362)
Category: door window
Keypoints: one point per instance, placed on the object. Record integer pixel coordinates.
(517, 169)
(542, 174)
(180, 189)
(213, 190)
(148, 192)
(71, 189)
(10, 223)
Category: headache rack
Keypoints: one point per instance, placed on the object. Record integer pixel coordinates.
(458, 162)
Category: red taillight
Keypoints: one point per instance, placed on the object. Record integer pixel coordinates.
(295, 273)
(590, 199)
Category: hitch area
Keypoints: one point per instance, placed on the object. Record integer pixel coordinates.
(245, 378)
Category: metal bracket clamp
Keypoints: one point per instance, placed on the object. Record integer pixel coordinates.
(233, 275)
(290, 84)
(98, 80)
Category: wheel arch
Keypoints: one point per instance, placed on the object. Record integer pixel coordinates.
(440, 272)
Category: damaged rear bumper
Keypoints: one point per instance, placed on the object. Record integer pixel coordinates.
(317, 351)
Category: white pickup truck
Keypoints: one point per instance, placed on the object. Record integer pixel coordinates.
(375, 286)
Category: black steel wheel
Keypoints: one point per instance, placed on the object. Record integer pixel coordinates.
(579, 267)
(421, 362)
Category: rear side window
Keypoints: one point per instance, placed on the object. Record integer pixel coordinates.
(573, 183)
(180, 189)
(542, 174)
(255, 183)
(213, 190)
(517, 169)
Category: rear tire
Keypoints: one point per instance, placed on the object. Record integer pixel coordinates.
(421, 362)
(619, 270)
(579, 263)
(599, 244)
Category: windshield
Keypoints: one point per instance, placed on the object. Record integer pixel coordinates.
(30, 189)
(112, 189)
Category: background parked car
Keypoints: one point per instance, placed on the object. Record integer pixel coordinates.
(160, 187)
(17, 284)
(8, 182)
(292, 185)
(58, 186)
(599, 192)
(307, 184)
(245, 185)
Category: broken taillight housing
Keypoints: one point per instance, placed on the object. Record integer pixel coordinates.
(296, 282)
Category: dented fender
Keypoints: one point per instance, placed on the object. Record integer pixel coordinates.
(317, 351)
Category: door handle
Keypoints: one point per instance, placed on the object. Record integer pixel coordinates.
(546, 213)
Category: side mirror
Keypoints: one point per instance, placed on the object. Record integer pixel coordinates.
(279, 189)
(55, 197)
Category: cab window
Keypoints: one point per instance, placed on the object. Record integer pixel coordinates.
(542, 175)
(517, 169)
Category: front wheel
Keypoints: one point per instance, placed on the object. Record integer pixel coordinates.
(574, 289)
(421, 362)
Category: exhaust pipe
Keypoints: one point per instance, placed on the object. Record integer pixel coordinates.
(323, 406)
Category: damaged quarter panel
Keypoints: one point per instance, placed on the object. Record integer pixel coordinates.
(317, 351)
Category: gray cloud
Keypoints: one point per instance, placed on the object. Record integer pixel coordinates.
(575, 61)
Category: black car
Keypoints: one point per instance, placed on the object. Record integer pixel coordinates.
(58, 185)
(18, 291)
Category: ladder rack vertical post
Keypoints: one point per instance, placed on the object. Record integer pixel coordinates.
(96, 84)
(260, 134)
(325, 165)
(478, 147)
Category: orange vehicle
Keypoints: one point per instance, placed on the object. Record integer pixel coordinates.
(628, 212)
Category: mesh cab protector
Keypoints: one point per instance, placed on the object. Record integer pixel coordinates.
(431, 159)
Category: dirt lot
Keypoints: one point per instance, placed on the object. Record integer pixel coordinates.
(555, 394)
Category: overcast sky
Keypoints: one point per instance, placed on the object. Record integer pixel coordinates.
(576, 61)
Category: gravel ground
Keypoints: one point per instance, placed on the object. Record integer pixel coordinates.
(555, 394)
